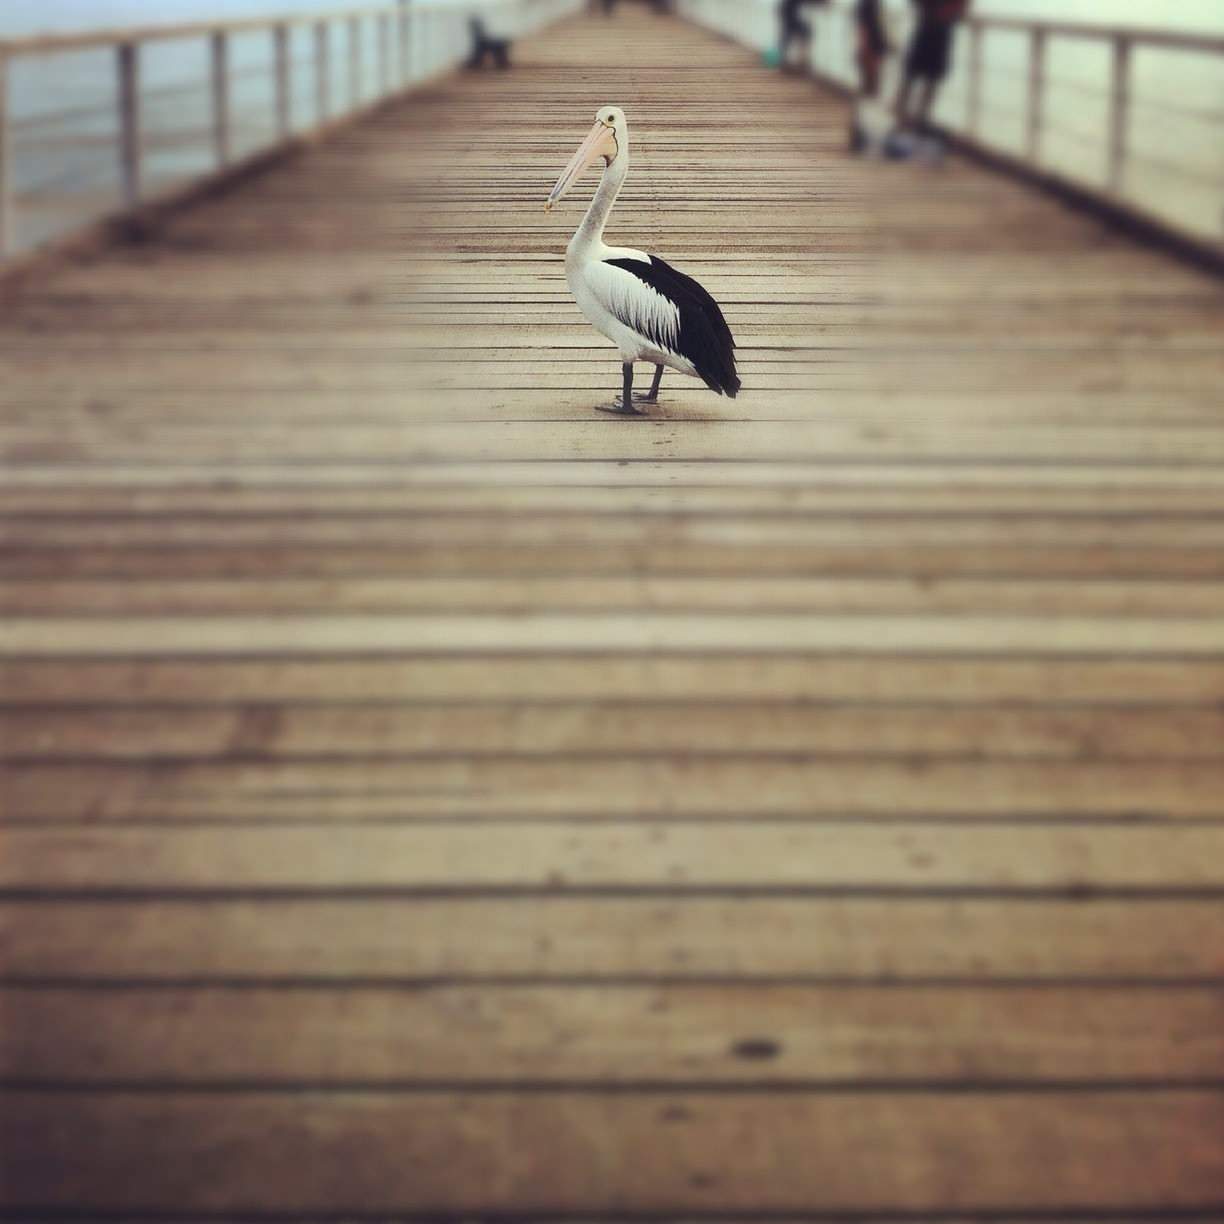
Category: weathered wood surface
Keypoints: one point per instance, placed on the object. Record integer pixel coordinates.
(428, 798)
(614, 1034)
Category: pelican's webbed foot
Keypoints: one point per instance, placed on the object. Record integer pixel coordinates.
(619, 409)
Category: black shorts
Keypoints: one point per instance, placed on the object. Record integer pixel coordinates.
(930, 53)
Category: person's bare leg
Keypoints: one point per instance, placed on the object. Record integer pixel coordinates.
(926, 103)
(869, 75)
(903, 100)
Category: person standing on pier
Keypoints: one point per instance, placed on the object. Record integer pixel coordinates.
(796, 32)
(873, 46)
(929, 58)
(873, 126)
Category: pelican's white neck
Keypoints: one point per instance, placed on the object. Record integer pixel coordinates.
(588, 237)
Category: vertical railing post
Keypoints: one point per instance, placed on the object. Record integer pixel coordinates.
(220, 98)
(280, 50)
(405, 44)
(322, 73)
(354, 64)
(1119, 112)
(977, 51)
(849, 43)
(1036, 91)
(384, 54)
(128, 62)
(7, 226)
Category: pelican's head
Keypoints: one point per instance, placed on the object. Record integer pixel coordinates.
(607, 141)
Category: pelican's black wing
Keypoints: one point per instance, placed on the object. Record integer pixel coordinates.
(705, 339)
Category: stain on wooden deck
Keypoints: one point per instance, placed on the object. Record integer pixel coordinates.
(427, 797)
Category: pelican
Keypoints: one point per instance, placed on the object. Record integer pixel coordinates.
(650, 311)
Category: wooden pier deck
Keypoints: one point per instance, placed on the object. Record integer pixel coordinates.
(426, 797)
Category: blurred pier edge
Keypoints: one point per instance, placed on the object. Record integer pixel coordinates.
(415, 41)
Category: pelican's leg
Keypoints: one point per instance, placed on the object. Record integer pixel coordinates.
(625, 407)
(652, 396)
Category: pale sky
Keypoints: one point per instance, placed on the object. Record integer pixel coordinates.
(23, 17)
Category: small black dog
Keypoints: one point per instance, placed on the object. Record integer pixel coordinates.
(484, 47)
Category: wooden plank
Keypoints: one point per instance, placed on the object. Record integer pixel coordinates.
(610, 1035)
(609, 729)
(438, 1152)
(609, 593)
(646, 556)
(631, 786)
(634, 491)
(579, 856)
(372, 531)
(738, 1218)
(439, 327)
(594, 678)
(749, 939)
(595, 440)
(167, 414)
(50, 637)
(1065, 480)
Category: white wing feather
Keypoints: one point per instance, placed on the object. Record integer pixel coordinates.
(637, 305)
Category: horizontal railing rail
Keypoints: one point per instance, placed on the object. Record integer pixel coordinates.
(1168, 40)
(1112, 164)
(84, 40)
(411, 41)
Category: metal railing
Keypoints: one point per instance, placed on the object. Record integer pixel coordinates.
(1000, 96)
(411, 40)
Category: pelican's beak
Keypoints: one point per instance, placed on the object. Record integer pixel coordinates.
(599, 146)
